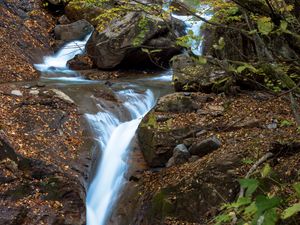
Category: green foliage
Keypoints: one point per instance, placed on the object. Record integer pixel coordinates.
(286, 123)
(291, 211)
(220, 45)
(265, 25)
(259, 205)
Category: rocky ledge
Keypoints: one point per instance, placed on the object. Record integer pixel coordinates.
(44, 163)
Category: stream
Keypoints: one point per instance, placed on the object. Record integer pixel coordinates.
(113, 126)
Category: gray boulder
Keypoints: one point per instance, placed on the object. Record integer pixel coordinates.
(180, 155)
(205, 147)
(73, 31)
(121, 43)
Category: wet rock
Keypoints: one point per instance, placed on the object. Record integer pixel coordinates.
(205, 147)
(120, 43)
(80, 62)
(16, 93)
(73, 31)
(190, 76)
(180, 155)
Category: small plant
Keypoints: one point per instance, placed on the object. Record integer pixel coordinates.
(286, 123)
(258, 206)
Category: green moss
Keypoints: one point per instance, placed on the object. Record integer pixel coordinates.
(149, 121)
(161, 205)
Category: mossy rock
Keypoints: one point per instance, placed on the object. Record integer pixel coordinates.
(191, 76)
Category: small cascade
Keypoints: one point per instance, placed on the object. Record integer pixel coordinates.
(57, 63)
(193, 27)
(116, 137)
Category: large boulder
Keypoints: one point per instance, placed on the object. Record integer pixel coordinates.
(157, 141)
(73, 31)
(157, 134)
(190, 75)
(122, 42)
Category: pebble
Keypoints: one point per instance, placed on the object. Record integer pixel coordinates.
(16, 93)
(34, 92)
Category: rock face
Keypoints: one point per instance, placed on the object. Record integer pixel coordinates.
(73, 31)
(80, 62)
(189, 75)
(121, 42)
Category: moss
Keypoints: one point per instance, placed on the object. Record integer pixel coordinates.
(161, 205)
(149, 121)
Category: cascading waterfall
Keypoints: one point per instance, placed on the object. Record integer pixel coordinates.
(111, 133)
(115, 142)
(58, 61)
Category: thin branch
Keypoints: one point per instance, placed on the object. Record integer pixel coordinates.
(253, 168)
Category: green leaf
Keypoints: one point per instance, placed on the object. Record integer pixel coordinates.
(283, 25)
(297, 188)
(223, 218)
(240, 69)
(251, 209)
(265, 25)
(270, 217)
(294, 209)
(264, 203)
(240, 202)
(266, 170)
(247, 161)
(250, 184)
(145, 50)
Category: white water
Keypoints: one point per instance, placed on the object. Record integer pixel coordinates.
(113, 135)
(58, 61)
(193, 27)
(115, 141)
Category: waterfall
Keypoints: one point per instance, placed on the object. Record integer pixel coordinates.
(112, 134)
(193, 27)
(58, 61)
(116, 139)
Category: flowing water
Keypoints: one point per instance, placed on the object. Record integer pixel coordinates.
(114, 129)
